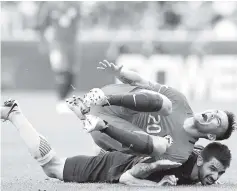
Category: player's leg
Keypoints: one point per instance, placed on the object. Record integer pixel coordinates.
(37, 144)
(119, 130)
(73, 169)
(140, 101)
(103, 140)
(137, 141)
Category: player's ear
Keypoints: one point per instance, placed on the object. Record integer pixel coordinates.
(199, 160)
(211, 137)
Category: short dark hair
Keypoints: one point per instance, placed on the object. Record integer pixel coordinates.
(219, 151)
(231, 126)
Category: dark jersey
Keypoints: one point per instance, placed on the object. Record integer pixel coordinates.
(155, 124)
(110, 166)
(183, 173)
(106, 168)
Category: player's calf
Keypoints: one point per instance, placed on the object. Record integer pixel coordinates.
(38, 146)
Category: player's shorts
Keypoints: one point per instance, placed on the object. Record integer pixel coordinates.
(106, 168)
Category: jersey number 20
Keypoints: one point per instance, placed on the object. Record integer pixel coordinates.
(153, 124)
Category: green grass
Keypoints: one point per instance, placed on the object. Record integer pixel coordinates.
(20, 172)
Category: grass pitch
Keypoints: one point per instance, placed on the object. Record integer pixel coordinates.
(21, 173)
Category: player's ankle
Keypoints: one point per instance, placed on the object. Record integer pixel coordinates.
(14, 114)
(101, 124)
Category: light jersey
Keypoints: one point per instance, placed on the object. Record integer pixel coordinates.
(155, 124)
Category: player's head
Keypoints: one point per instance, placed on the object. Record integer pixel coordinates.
(215, 124)
(213, 162)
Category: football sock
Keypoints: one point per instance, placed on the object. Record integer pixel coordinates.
(137, 101)
(106, 142)
(64, 81)
(140, 143)
(37, 145)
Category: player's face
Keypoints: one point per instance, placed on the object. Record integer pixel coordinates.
(210, 171)
(211, 121)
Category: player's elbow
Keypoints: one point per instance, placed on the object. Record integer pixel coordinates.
(125, 178)
(166, 107)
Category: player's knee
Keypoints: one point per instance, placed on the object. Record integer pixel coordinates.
(166, 107)
(54, 168)
(160, 146)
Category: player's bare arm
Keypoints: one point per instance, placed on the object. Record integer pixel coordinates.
(125, 75)
(130, 180)
(137, 174)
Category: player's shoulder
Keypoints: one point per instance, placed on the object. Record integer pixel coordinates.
(168, 91)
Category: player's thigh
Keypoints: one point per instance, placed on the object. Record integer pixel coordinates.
(78, 168)
(92, 168)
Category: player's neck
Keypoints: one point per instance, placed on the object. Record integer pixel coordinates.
(194, 174)
(189, 127)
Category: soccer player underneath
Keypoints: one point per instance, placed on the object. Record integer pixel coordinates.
(117, 167)
(156, 109)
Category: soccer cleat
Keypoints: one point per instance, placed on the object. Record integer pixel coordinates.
(169, 139)
(93, 123)
(95, 97)
(9, 107)
(78, 107)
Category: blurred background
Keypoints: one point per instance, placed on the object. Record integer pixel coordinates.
(189, 45)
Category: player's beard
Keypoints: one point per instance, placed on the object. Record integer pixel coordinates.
(204, 178)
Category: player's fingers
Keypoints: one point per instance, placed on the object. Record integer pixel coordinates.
(112, 64)
(100, 68)
(103, 64)
(173, 178)
(170, 183)
(106, 62)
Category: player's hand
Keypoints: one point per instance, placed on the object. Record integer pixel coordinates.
(166, 164)
(109, 67)
(169, 180)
